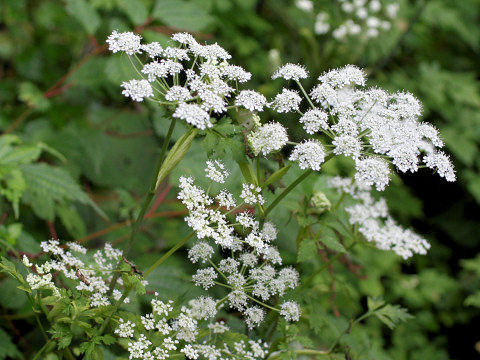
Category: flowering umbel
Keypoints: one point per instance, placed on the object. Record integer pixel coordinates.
(249, 272)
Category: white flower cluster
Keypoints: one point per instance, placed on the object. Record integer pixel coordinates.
(196, 79)
(190, 332)
(357, 17)
(376, 224)
(365, 17)
(373, 127)
(91, 274)
(248, 272)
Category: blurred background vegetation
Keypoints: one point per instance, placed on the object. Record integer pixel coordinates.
(76, 157)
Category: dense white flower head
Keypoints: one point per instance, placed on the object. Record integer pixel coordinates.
(360, 19)
(254, 316)
(322, 24)
(127, 42)
(291, 72)
(305, 5)
(268, 138)
(372, 171)
(88, 272)
(194, 115)
(137, 90)
(290, 310)
(251, 194)
(314, 120)
(286, 101)
(347, 76)
(232, 256)
(251, 100)
(178, 93)
(211, 82)
(309, 154)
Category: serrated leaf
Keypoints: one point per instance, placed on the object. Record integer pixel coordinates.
(330, 240)
(391, 315)
(307, 250)
(50, 184)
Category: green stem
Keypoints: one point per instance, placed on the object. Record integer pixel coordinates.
(263, 304)
(168, 254)
(305, 93)
(32, 303)
(287, 190)
(117, 305)
(302, 352)
(145, 205)
(41, 350)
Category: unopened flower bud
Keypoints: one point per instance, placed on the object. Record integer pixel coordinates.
(319, 203)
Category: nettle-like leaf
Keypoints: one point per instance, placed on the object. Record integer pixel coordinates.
(48, 185)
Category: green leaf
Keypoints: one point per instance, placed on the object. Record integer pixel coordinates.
(473, 300)
(8, 350)
(85, 14)
(21, 155)
(135, 10)
(62, 334)
(181, 14)
(391, 315)
(330, 240)
(71, 220)
(307, 250)
(33, 96)
(48, 184)
(10, 297)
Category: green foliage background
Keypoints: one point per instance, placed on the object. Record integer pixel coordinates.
(76, 157)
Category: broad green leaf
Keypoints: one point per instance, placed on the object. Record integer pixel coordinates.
(8, 350)
(85, 14)
(307, 250)
(135, 10)
(330, 240)
(182, 14)
(50, 184)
